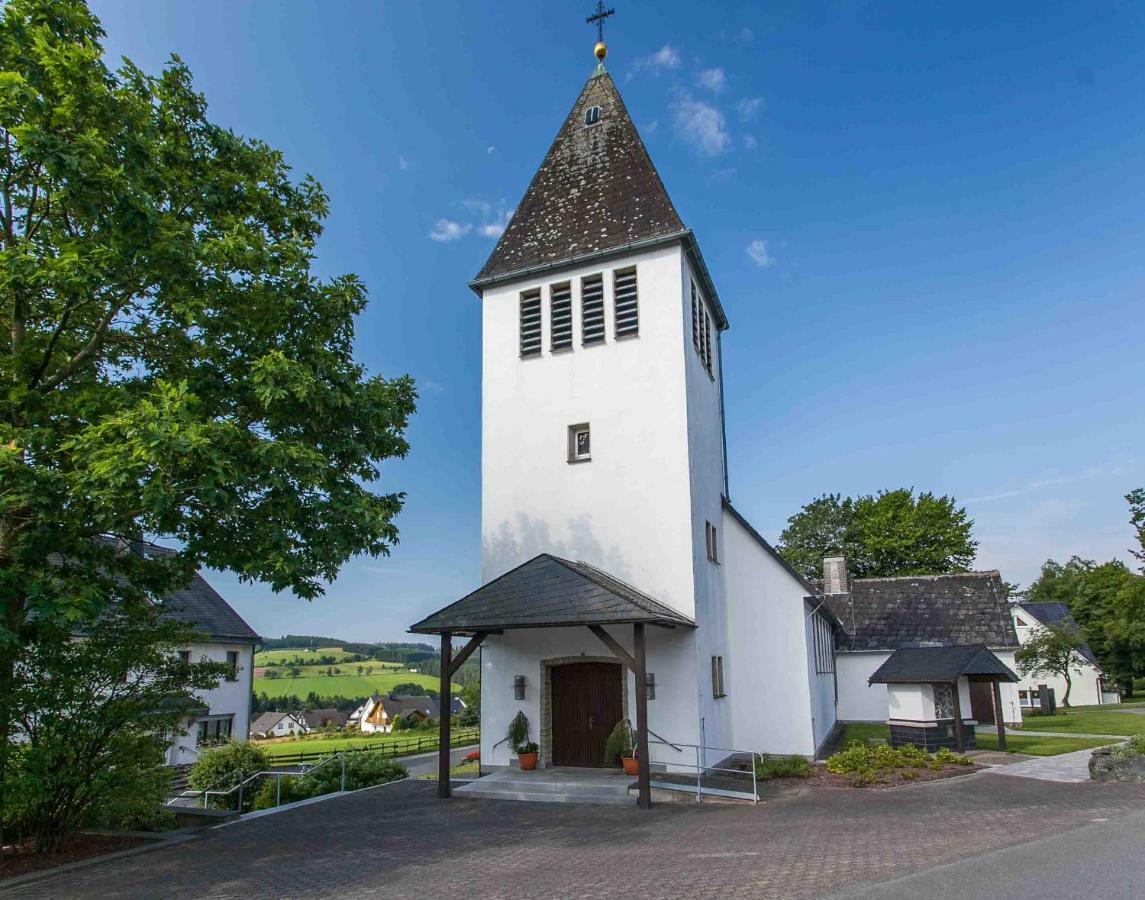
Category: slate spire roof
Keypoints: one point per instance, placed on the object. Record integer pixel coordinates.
(596, 190)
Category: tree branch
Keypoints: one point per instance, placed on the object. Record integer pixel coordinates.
(86, 352)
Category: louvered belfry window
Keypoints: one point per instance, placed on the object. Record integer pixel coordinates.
(592, 309)
(560, 317)
(531, 323)
(624, 300)
(696, 319)
(701, 329)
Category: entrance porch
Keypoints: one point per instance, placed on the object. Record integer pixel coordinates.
(559, 631)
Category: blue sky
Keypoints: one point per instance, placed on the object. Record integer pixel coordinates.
(925, 224)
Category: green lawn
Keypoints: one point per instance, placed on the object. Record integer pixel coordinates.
(343, 685)
(1038, 745)
(345, 668)
(1088, 720)
(288, 748)
(1032, 744)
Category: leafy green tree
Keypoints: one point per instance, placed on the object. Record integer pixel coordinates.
(471, 697)
(1136, 501)
(408, 689)
(169, 362)
(94, 719)
(1052, 650)
(1107, 601)
(889, 533)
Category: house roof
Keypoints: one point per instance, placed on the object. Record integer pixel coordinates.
(1058, 614)
(202, 607)
(925, 610)
(316, 718)
(549, 592)
(400, 704)
(932, 665)
(266, 721)
(596, 192)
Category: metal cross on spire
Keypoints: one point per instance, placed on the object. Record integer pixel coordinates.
(598, 17)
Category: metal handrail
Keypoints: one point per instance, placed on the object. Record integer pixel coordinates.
(664, 740)
(701, 768)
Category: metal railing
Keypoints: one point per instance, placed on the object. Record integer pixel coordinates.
(702, 768)
(203, 797)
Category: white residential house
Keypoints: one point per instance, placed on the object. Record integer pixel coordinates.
(276, 725)
(606, 511)
(1085, 678)
(223, 711)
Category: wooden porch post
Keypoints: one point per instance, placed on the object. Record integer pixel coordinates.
(959, 741)
(444, 702)
(999, 718)
(644, 800)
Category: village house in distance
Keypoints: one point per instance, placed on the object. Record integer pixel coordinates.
(621, 581)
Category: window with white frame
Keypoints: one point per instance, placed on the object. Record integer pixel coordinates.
(531, 323)
(592, 309)
(711, 540)
(580, 443)
(718, 677)
(560, 317)
(625, 303)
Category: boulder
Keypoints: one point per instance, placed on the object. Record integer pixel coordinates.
(1107, 766)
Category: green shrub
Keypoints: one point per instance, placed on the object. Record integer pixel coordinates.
(851, 759)
(518, 733)
(861, 765)
(769, 767)
(222, 767)
(1135, 746)
(362, 770)
(621, 743)
(948, 757)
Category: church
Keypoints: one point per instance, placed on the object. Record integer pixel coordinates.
(619, 579)
(609, 543)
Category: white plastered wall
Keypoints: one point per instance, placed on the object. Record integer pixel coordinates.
(226, 698)
(1085, 678)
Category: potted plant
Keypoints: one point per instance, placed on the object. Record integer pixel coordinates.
(518, 736)
(622, 743)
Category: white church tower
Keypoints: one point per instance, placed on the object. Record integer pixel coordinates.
(604, 482)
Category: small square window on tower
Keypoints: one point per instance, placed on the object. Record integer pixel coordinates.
(580, 443)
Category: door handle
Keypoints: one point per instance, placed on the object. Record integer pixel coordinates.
(590, 721)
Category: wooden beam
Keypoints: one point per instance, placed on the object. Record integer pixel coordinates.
(614, 645)
(644, 780)
(959, 740)
(999, 718)
(466, 652)
(443, 702)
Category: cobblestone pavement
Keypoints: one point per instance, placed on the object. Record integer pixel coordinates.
(399, 841)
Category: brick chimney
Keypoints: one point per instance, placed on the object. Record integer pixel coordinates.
(835, 575)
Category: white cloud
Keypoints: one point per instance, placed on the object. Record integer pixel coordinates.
(713, 80)
(724, 174)
(700, 124)
(403, 163)
(445, 230)
(748, 108)
(745, 35)
(490, 149)
(758, 253)
(749, 142)
(667, 57)
(651, 127)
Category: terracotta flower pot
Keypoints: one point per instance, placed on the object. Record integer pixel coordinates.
(631, 765)
(528, 761)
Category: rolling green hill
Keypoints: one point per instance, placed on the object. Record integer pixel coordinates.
(306, 657)
(347, 685)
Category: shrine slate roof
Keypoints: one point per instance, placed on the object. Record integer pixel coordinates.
(940, 665)
(550, 592)
(925, 610)
(596, 190)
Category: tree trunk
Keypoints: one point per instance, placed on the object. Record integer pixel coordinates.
(1068, 686)
(9, 655)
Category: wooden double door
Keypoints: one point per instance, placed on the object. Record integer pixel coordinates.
(586, 705)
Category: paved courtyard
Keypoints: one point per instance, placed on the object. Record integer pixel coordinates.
(399, 841)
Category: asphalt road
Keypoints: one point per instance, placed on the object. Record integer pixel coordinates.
(1105, 859)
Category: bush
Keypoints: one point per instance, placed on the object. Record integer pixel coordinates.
(621, 743)
(948, 757)
(769, 767)
(222, 767)
(1135, 746)
(362, 770)
(860, 764)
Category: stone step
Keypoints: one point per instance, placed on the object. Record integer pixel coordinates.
(567, 796)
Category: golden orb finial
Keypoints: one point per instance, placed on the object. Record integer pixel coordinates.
(600, 50)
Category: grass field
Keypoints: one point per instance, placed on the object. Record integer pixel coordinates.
(342, 685)
(1088, 720)
(1038, 745)
(288, 748)
(347, 668)
(303, 657)
(1032, 744)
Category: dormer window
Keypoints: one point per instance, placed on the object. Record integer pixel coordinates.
(591, 116)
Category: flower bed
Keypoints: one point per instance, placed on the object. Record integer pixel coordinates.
(20, 860)
(861, 766)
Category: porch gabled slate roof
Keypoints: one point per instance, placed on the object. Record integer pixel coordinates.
(550, 592)
(934, 665)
